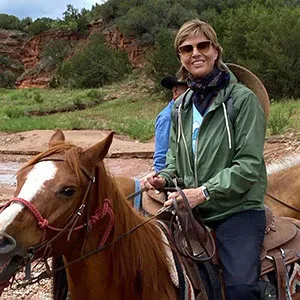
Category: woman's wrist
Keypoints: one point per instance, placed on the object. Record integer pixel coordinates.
(203, 194)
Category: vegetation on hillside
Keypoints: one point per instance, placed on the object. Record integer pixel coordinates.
(127, 107)
(258, 34)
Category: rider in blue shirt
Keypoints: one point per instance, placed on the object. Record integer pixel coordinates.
(163, 121)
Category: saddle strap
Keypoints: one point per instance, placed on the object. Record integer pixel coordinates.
(280, 276)
(202, 296)
(193, 274)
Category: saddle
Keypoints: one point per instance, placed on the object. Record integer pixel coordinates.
(281, 248)
(281, 244)
(194, 245)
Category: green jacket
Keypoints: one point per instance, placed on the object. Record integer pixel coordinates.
(229, 157)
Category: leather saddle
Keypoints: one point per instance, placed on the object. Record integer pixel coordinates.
(281, 244)
(193, 241)
(281, 247)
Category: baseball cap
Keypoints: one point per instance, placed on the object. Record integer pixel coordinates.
(170, 81)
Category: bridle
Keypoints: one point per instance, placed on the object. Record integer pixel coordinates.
(71, 225)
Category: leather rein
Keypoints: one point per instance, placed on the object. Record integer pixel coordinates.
(99, 214)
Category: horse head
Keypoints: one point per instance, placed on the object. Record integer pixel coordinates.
(51, 204)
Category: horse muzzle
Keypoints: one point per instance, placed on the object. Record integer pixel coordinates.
(11, 256)
(7, 243)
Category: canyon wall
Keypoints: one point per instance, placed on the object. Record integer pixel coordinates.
(27, 51)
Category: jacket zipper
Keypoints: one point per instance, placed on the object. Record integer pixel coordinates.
(196, 152)
(185, 145)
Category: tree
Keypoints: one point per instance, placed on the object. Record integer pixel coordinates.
(256, 37)
(163, 61)
(9, 22)
(76, 21)
(40, 25)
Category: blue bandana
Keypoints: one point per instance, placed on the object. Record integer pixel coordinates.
(206, 88)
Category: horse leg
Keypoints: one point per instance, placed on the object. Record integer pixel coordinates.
(60, 283)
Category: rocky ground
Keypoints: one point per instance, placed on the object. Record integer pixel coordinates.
(127, 157)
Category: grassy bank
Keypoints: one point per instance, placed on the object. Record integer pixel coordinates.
(128, 108)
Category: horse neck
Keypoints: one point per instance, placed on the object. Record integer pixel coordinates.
(283, 184)
(283, 165)
(137, 260)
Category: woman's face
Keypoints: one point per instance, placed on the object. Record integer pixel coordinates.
(198, 55)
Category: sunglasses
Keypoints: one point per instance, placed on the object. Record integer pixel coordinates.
(202, 47)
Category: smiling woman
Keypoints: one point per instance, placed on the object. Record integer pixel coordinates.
(220, 162)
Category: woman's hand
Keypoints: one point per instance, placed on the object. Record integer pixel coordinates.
(153, 182)
(194, 197)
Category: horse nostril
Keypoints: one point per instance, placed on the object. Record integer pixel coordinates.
(7, 243)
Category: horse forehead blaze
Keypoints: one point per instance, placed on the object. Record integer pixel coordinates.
(35, 181)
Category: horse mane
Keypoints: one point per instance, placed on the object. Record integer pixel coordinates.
(137, 261)
(283, 164)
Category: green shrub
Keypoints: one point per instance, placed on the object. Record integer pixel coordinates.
(40, 25)
(56, 50)
(94, 66)
(37, 97)
(279, 118)
(96, 95)
(9, 22)
(78, 103)
(13, 112)
(7, 79)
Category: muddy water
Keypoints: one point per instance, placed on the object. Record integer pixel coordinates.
(8, 171)
(118, 167)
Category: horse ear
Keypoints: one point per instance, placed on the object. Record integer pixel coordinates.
(57, 137)
(99, 151)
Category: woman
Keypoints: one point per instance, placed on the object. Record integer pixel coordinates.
(221, 163)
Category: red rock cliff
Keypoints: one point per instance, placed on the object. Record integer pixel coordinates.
(28, 51)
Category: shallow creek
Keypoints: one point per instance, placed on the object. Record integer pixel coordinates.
(8, 171)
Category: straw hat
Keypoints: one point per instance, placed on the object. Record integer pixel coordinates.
(253, 83)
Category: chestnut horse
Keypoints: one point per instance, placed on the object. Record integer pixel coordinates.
(58, 193)
(283, 193)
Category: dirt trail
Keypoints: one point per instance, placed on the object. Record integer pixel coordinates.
(126, 156)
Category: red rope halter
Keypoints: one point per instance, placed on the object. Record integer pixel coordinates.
(99, 214)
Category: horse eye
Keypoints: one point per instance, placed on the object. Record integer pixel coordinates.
(68, 192)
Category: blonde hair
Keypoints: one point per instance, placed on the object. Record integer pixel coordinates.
(191, 28)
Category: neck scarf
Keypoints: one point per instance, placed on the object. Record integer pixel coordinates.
(206, 88)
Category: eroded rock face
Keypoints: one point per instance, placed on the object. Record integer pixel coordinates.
(37, 75)
(11, 43)
(19, 47)
(11, 47)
